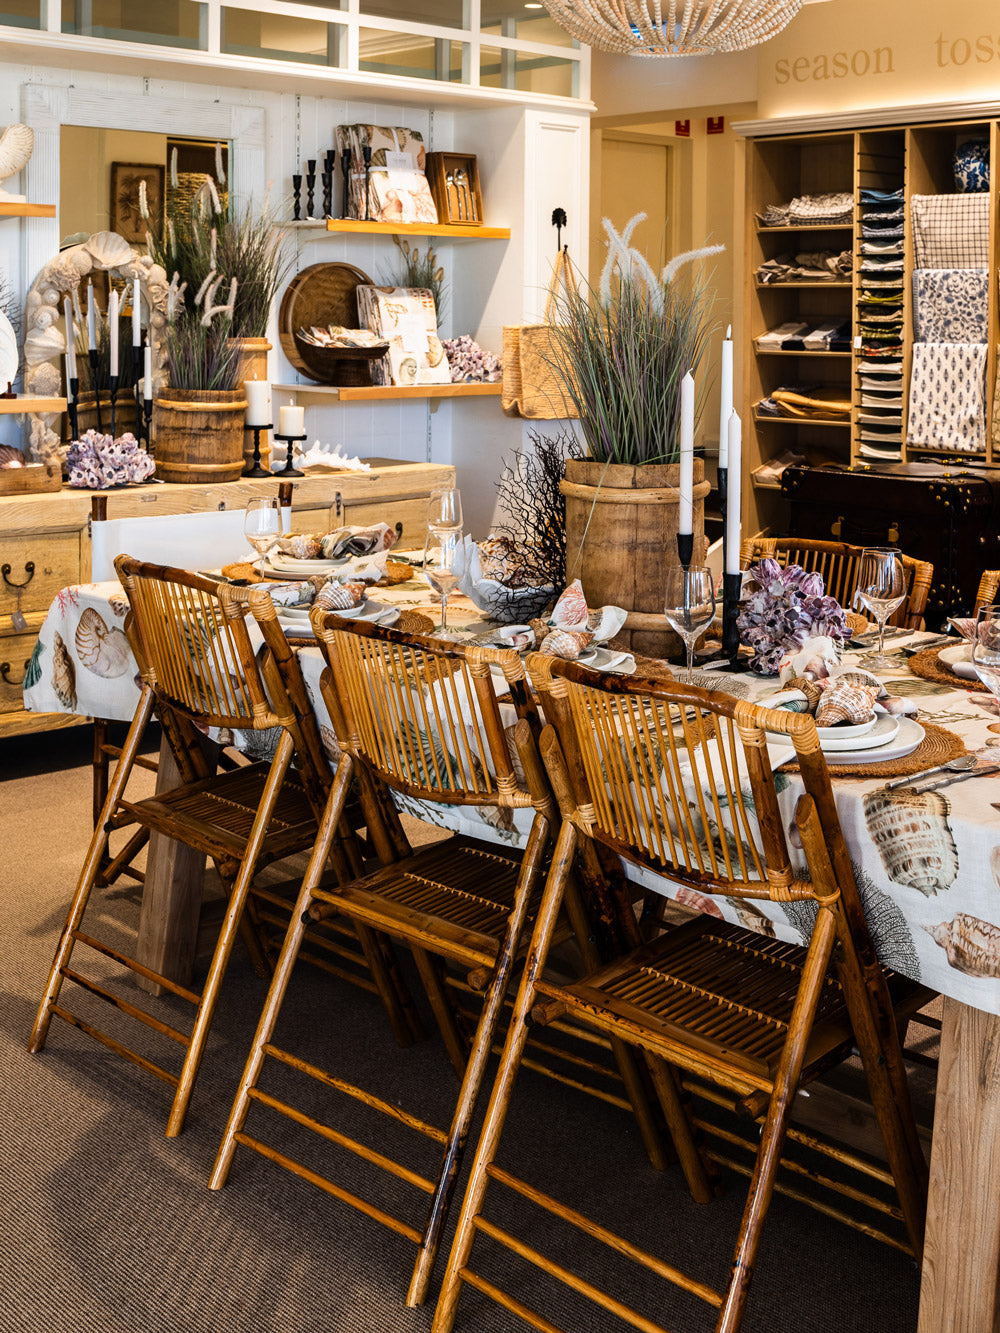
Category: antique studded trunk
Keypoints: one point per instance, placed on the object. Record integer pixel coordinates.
(950, 518)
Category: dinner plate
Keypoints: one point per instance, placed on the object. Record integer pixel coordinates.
(282, 566)
(907, 738)
(298, 625)
(874, 738)
(958, 660)
(839, 733)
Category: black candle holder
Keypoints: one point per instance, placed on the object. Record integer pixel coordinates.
(685, 548)
(732, 585)
(366, 153)
(113, 389)
(297, 198)
(310, 189)
(327, 179)
(345, 166)
(92, 358)
(256, 468)
(136, 362)
(74, 424)
(147, 421)
(289, 470)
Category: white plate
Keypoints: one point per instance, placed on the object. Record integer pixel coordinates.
(906, 740)
(846, 733)
(382, 612)
(281, 566)
(873, 738)
(958, 660)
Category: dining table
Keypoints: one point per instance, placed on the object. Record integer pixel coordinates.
(927, 864)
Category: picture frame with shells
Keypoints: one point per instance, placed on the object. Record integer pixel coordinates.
(45, 334)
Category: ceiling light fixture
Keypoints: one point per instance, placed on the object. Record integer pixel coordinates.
(673, 27)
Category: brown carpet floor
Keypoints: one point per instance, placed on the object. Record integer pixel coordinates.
(108, 1227)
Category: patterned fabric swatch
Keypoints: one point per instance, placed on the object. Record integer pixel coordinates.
(949, 305)
(951, 230)
(948, 397)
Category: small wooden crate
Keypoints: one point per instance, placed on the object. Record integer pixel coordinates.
(33, 477)
(459, 203)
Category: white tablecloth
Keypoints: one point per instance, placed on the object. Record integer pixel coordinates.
(928, 869)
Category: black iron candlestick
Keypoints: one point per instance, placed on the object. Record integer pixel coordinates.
(345, 166)
(310, 188)
(289, 441)
(327, 179)
(366, 153)
(147, 421)
(685, 548)
(92, 358)
(113, 389)
(731, 587)
(256, 468)
(74, 424)
(297, 198)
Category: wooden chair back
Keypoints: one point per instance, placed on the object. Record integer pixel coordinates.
(986, 593)
(838, 563)
(422, 713)
(194, 648)
(679, 780)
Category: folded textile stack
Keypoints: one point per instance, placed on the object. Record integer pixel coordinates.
(406, 318)
(392, 186)
(880, 325)
(808, 266)
(809, 335)
(807, 403)
(947, 409)
(811, 210)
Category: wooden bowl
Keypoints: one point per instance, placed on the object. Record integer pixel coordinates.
(324, 294)
(339, 366)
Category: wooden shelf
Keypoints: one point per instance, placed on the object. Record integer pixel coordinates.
(352, 227)
(372, 392)
(765, 420)
(16, 210)
(787, 286)
(768, 351)
(776, 231)
(9, 406)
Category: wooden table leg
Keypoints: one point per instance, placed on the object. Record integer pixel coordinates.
(960, 1284)
(171, 897)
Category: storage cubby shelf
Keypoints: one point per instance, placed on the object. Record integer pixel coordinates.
(793, 227)
(368, 393)
(799, 421)
(352, 227)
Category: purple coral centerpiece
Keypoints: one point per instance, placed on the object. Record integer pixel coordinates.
(470, 363)
(780, 609)
(96, 462)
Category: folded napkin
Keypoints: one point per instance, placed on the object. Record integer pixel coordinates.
(358, 541)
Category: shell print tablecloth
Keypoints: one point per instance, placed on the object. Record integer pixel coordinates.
(927, 865)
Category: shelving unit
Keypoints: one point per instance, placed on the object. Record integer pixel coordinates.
(373, 392)
(18, 210)
(14, 406)
(456, 232)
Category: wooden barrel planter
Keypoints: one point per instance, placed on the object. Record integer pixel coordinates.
(199, 434)
(253, 366)
(621, 534)
(86, 411)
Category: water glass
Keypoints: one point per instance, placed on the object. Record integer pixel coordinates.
(689, 606)
(262, 523)
(881, 590)
(986, 652)
(440, 558)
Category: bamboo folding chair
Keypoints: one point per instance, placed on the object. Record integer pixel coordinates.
(986, 593)
(838, 563)
(421, 717)
(678, 781)
(198, 671)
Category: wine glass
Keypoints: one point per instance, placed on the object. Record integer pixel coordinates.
(440, 554)
(444, 508)
(881, 589)
(986, 652)
(689, 606)
(262, 523)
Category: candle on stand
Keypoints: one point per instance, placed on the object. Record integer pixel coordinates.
(685, 517)
(136, 314)
(725, 397)
(733, 499)
(291, 421)
(258, 394)
(69, 376)
(113, 301)
(91, 319)
(70, 340)
(147, 373)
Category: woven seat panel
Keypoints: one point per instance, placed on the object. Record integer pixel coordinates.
(731, 989)
(468, 886)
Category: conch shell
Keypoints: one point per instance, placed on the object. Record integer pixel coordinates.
(568, 643)
(63, 673)
(103, 651)
(848, 703)
(605, 623)
(972, 945)
(910, 829)
(301, 545)
(335, 596)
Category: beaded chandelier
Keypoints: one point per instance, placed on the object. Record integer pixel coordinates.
(673, 27)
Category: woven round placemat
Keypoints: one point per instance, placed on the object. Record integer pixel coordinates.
(925, 664)
(937, 747)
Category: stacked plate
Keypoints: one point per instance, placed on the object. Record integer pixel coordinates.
(284, 567)
(958, 660)
(294, 620)
(881, 738)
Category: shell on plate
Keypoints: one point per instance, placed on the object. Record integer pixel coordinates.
(292, 594)
(541, 630)
(844, 702)
(568, 643)
(103, 651)
(971, 944)
(335, 596)
(910, 830)
(63, 672)
(570, 611)
(606, 621)
(301, 545)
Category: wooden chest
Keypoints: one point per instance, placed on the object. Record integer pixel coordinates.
(950, 518)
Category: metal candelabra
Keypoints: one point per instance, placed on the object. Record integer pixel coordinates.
(113, 390)
(92, 358)
(74, 423)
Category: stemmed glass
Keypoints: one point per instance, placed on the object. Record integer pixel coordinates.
(689, 606)
(262, 523)
(444, 508)
(986, 652)
(440, 554)
(881, 589)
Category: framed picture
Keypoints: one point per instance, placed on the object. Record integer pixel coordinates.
(124, 215)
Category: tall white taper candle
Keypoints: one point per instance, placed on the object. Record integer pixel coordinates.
(113, 302)
(685, 517)
(725, 397)
(91, 319)
(733, 500)
(70, 339)
(136, 314)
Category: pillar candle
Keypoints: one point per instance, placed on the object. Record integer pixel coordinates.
(70, 339)
(113, 300)
(258, 394)
(136, 314)
(147, 373)
(291, 421)
(733, 500)
(685, 518)
(91, 319)
(725, 397)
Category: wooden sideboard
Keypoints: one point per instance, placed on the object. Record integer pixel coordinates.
(45, 543)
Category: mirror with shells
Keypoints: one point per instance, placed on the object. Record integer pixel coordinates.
(45, 335)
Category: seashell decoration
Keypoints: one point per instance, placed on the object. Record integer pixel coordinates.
(108, 249)
(335, 596)
(300, 545)
(541, 631)
(16, 145)
(63, 672)
(291, 594)
(103, 651)
(852, 704)
(11, 457)
(568, 643)
(914, 841)
(570, 611)
(605, 622)
(972, 946)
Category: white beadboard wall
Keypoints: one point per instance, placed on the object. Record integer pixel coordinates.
(531, 161)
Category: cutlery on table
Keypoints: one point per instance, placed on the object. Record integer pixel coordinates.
(959, 765)
(959, 777)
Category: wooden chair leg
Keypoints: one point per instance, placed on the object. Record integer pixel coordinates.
(692, 1164)
(388, 982)
(100, 766)
(454, 1042)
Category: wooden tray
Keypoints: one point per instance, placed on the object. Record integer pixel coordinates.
(322, 294)
(35, 477)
